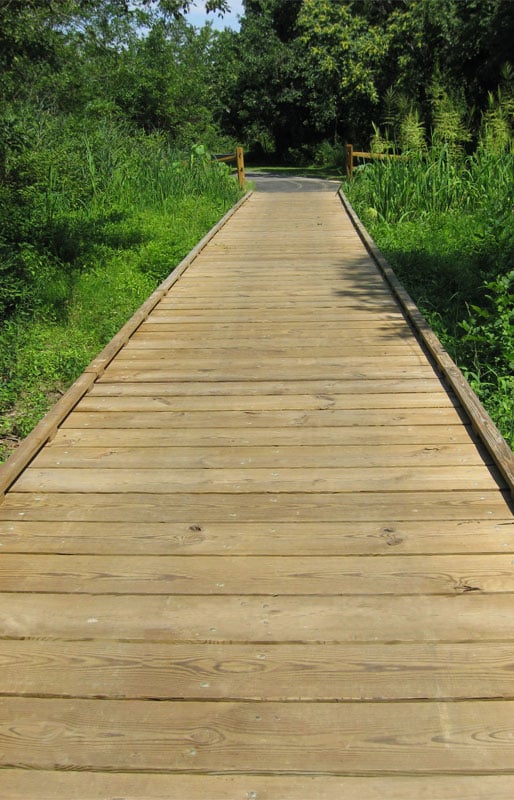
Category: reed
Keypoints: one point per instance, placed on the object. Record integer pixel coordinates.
(446, 224)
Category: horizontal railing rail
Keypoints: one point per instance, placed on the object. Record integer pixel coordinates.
(238, 157)
(352, 154)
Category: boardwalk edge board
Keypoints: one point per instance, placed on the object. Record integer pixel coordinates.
(45, 430)
(480, 420)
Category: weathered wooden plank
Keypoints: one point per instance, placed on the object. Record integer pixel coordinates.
(240, 457)
(366, 297)
(260, 389)
(172, 373)
(238, 353)
(256, 287)
(224, 280)
(281, 672)
(196, 509)
(332, 738)
(429, 435)
(283, 575)
(198, 337)
(365, 324)
(168, 340)
(260, 619)
(390, 535)
(298, 365)
(251, 480)
(63, 785)
(263, 419)
(281, 315)
(278, 306)
(314, 254)
(253, 286)
(219, 296)
(156, 402)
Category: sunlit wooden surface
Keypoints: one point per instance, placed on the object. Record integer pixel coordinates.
(264, 557)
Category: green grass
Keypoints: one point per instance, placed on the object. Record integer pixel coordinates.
(447, 229)
(95, 263)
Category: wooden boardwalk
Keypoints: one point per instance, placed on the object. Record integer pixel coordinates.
(264, 556)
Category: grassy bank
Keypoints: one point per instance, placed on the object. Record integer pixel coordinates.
(96, 231)
(446, 225)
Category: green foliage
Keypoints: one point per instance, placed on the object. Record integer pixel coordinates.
(488, 345)
(330, 155)
(102, 188)
(449, 128)
(260, 88)
(447, 228)
(301, 73)
(343, 47)
(412, 137)
(380, 144)
(496, 133)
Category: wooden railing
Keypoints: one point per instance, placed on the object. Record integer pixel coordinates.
(352, 154)
(238, 157)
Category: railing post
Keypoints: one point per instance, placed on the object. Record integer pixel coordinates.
(349, 161)
(240, 167)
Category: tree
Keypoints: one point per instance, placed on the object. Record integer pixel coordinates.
(262, 96)
(163, 81)
(344, 55)
(70, 69)
(356, 51)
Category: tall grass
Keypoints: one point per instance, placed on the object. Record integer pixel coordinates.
(446, 224)
(99, 215)
(421, 184)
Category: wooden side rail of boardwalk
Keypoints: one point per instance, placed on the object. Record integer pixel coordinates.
(264, 557)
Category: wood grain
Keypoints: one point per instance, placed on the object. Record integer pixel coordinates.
(194, 390)
(175, 373)
(196, 509)
(51, 785)
(267, 402)
(244, 457)
(316, 538)
(260, 619)
(331, 738)
(265, 555)
(326, 435)
(265, 419)
(227, 575)
(280, 672)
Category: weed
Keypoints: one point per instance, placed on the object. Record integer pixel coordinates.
(111, 213)
(446, 225)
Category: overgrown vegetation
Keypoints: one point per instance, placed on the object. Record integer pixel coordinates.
(445, 221)
(308, 74)
(96, 246)
(99, 197)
